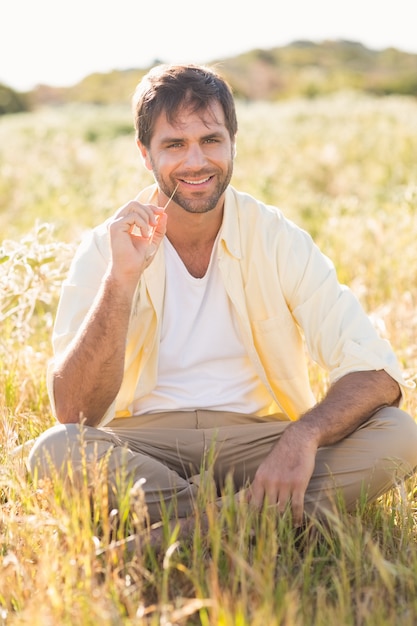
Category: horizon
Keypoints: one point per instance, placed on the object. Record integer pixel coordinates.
(208, 62)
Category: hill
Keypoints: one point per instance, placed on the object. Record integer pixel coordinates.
(310, 69)
(303, 68)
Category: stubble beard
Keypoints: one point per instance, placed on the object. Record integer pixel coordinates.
(196, 204)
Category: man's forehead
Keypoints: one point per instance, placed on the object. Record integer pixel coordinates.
(211, 116)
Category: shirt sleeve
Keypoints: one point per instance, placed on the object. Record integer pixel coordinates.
(339, 334)
(80, 288)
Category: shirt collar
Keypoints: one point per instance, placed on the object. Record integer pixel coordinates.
(230, 231)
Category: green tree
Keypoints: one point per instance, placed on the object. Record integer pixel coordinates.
(11, 101)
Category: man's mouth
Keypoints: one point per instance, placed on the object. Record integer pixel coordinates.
(200, 181)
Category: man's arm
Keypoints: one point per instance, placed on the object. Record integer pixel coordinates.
(285, 473)
(88, 376)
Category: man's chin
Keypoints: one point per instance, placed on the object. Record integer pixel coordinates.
(197, 206)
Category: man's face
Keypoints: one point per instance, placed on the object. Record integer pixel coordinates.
(196, 153)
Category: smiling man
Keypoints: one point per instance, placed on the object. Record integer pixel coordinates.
(183, 326)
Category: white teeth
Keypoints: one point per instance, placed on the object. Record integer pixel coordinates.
(196, 182)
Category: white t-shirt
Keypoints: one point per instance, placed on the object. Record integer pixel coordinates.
(203, 363)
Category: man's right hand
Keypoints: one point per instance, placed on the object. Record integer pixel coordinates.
(136, 232)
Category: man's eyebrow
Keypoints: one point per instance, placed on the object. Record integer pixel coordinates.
(178, 139)
(214, 135)
(173, 139)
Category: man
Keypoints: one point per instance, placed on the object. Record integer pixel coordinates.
(182, 329)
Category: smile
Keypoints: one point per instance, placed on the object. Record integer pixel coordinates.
(196, 182)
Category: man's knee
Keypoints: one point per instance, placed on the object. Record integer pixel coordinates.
(60, 446)
(370, 461)
(399, 430)
(49, 450)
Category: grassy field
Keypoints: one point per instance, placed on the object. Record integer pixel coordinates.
(345, 169)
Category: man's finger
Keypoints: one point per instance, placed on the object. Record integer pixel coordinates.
(297, 508)
(256, 496)
(283, 500)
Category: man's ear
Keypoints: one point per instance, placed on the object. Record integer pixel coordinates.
(145, 155)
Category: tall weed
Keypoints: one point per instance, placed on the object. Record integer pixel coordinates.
(344, 168)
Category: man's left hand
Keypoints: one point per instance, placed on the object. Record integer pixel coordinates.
(282, 478)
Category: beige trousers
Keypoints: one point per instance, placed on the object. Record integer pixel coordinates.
(170, 449)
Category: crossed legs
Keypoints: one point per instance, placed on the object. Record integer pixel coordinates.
(371, 460)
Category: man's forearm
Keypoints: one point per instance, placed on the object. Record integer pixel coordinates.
(348, 404)
(88, 377)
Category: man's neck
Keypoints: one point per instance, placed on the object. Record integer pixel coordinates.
(192, 230)
(193, 237)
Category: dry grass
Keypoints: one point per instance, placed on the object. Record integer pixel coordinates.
(342, 167)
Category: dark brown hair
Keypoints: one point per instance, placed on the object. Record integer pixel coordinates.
(166, 88)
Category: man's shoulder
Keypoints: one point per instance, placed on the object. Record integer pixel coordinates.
(255, 226)
(254, 213)
(250, 207)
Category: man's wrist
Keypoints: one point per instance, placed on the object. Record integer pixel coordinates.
(304, 432)
(122, 288)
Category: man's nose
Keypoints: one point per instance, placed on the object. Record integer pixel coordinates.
(195, 156)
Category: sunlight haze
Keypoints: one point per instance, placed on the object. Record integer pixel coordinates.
(58, 43)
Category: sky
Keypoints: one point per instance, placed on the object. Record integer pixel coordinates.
(59, 42)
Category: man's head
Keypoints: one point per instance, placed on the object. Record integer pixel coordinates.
(169, 88)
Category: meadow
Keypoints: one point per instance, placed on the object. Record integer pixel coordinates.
(343, 167)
